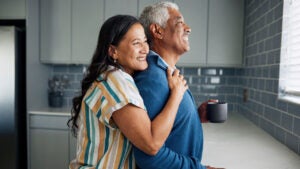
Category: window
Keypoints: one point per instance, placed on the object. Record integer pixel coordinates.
(289, 77)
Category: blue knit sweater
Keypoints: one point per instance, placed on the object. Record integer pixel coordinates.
(183, 148)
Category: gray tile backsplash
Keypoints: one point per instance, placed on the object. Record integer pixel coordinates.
(281, 119)
(213, 83)
(259, 77)
(204, 83)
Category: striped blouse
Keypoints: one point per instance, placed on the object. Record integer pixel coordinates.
(100, 144)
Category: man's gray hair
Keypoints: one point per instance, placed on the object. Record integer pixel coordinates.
(157, 13)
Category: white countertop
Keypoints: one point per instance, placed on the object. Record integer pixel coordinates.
(239, 144)
(64, 111)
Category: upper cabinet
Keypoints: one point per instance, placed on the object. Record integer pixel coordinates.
(12, 9)
(216, 38)
(86, 21)
(70, 28)
(195, 16)
(55, 35)
(143, 3)
(225, 33)
(114, 7)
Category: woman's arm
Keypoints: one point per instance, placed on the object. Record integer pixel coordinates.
(147, 135)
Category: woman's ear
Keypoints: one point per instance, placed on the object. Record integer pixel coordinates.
(156, 31)
(112, 51)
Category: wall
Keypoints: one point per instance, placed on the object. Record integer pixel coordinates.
(36, 73)
(281, 119)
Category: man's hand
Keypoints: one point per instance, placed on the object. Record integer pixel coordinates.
(202, 110)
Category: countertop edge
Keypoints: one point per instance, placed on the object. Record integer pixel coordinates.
(51, 111)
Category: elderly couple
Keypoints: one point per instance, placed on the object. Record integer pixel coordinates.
(135, 109)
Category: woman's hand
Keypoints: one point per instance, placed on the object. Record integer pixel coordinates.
(177, 83)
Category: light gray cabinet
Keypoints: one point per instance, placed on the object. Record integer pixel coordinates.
(13, 9)
(195, 15)
(217, 32)
(216, 38)
(225, 33)
(55, 35)
(143, 3)
(51, 144)
(87, 18)
(69, 30)
(114, 7)
(49, 149)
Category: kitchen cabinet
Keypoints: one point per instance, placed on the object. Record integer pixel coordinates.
(225, 33)
(69, 30)
(143, 3)
(114, 7)
(87, 18)
(195, 15)
(216, 38)
(51, 144)
(55, 34)
(13, 9)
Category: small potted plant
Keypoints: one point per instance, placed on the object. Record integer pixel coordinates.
(57, 85)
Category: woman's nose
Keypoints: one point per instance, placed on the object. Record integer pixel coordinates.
(145, 47)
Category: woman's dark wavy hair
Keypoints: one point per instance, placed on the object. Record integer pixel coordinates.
(111, 33)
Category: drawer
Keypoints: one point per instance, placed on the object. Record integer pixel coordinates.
(48, 121)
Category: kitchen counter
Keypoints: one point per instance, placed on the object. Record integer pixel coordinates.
(63, 111)
(235, 144)
(239, 144)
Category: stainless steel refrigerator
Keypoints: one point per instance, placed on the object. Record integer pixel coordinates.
(13, 140)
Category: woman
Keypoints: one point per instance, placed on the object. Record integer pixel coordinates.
(110, 114)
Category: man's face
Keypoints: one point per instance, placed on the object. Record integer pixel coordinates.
(176, 33)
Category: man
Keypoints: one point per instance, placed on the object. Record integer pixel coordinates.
(168, 37)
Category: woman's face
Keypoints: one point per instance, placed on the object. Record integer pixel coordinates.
(132, 50)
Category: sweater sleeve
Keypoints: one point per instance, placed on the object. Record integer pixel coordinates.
(166, 158)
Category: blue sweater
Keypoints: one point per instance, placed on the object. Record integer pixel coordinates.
(183, 148)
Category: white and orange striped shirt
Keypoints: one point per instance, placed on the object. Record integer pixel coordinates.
(100, 144)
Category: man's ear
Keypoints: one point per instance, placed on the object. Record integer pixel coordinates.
(112, 51)
(156, 31)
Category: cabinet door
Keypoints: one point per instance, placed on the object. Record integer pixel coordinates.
(13, 9)
(87, 18)
(72, 146)
(143, 3)
(49, 148)
(55, 25)
(225, 33)
(195, 15)
(114, 7)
